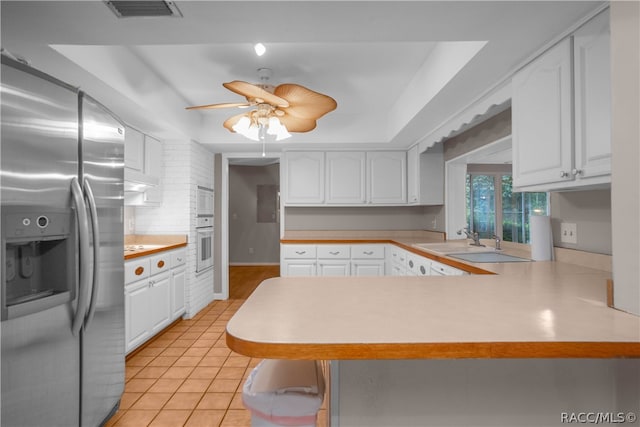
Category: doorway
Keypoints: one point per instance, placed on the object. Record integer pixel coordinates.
(250, 216)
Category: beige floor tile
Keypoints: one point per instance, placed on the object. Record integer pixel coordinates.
(219, 352)
(205, 418)
(236, 362)
(170, 418)
(205, 372)
(215, 401)
(136, 418)
(230, 373)
(139, 360)
(150, 351)
(236, 418)
(221, 343)
(187, 361)
(182, 343)
(194, 385)
(222, 385)
(152, 401)
(191, 335)
(183, 401)
(128, 399)
(178, 372)
(160, 342)
(174, 351)
(236, 402)
(196, 351)
(166, 385)
(203, 343)
(131, 371)
(212, 361)
(151, 372)
(210, 335)
(164, 361)
(139, 385)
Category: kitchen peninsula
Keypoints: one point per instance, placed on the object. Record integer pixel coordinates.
(406, 350)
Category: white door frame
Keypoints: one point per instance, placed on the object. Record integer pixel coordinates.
(224, 216)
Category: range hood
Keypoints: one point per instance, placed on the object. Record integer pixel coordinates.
(138, 182)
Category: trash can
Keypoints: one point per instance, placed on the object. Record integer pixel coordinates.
(284, 393)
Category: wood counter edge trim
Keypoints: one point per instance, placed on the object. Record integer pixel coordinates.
(155, 250)
(471, 350)
(445, 260)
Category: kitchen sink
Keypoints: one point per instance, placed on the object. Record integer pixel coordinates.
(492, 256)
(452, 248)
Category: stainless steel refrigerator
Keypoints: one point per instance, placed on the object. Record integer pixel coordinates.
(62, 299)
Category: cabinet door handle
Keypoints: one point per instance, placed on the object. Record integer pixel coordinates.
(179, 259)
(139, 271)
(368, 252)
(563, 174)
(334, 252)
(152, 283)
(160, 264)
(301, 252)
(576, 172)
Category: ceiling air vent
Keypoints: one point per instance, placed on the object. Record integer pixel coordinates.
(143, 9)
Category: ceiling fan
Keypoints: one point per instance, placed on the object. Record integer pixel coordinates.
(277, 110)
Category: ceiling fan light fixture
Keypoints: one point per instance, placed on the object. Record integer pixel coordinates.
(278, 129)
(259, 48)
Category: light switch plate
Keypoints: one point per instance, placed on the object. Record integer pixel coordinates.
(568, 233)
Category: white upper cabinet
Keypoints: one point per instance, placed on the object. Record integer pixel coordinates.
(592, 62)
(134, 150)
(387, 177)
(425, 176)
(561, 110)
(304, 177)
(345, 177)
(541, 114)
(153, 167)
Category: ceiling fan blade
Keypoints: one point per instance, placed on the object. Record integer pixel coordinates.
(297, 124)
(305, 103)
(223, 105)
(231, 121)
(255, 93)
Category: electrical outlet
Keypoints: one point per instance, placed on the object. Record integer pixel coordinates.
(251, 250)
(568, 233)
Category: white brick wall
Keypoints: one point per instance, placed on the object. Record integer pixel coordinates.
(185, 165)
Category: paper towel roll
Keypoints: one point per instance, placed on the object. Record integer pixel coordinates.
(541, 238)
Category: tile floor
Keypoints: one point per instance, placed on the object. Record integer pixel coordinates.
(188, 376)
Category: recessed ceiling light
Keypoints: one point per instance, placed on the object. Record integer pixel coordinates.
(260, 49)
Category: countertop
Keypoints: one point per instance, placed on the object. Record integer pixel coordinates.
(140, 245)
(523, 310)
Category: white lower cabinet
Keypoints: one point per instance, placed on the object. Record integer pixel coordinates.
(358, 260)
(154, 295)
(298, 268)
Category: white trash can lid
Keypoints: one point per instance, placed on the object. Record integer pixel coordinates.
(287, 392)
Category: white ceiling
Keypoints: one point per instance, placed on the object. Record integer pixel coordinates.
(397, 69)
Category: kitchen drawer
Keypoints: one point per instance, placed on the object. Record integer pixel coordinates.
(367, 251)
(398, 255)
(334, 251)
(178, 258)
(160, 262)
(299, 251)
(136, 269)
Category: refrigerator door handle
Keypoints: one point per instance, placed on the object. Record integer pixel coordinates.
(93, 211)
(85, 247)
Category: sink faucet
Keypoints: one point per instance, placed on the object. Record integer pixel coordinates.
(473, 236)
(497, 240)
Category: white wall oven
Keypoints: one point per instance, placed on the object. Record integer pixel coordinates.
(204, 228)
(204, 252)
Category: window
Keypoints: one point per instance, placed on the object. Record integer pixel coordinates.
(503, 213)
